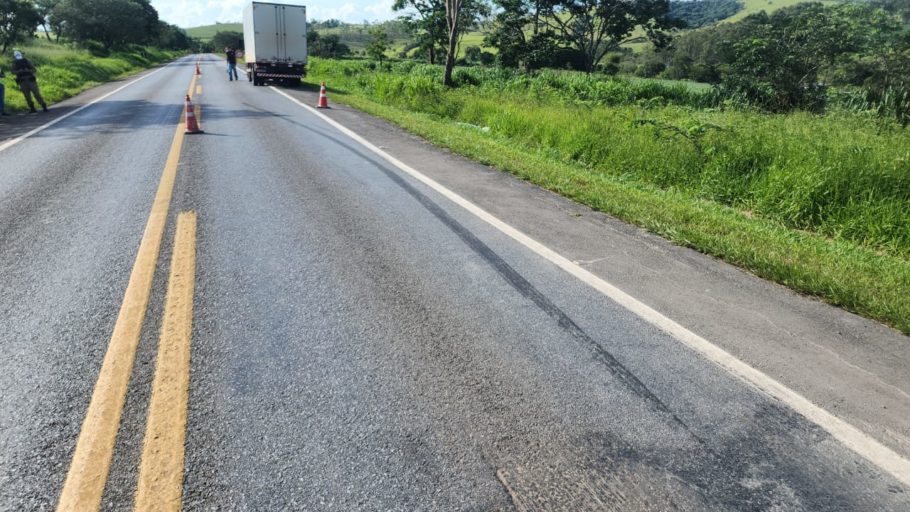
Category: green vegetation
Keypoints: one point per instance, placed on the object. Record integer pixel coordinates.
(93, 41)
(64, 72)
(335, 39)
(99, 25)
(379, 45)
(698, 13)
(18, 19)
(799, 57)
(207, 32)
(821, 204)
(751, 7)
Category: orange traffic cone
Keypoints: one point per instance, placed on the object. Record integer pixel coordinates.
(191, 125)
(198, 71)
(323, 99)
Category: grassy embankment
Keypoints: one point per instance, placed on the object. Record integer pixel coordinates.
(820, 204)
(64, 72)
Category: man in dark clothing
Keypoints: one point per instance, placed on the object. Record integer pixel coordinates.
(28, 83)
(231, 62)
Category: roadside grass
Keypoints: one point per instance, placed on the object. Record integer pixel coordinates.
(819, 204)
(64, 72)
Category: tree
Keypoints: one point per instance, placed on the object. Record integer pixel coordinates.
(898, 7)
(698, 13)
(516, 46)
(379, 43)
(777, 61)
(225, 38)
(150, 18)
(453, 11)
(886, 89)
(429, 24)
(45, 8)
(173, 37)
(18, 20)
(110, 22)
(461, 15)
(598, 27)
(329, 47)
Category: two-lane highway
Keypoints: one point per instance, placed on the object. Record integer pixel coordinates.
(360, 339)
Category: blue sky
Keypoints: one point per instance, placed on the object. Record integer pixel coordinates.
(192, 13)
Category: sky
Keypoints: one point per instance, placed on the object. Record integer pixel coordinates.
(193, 13)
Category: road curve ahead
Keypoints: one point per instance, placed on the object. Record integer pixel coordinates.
(272, 316)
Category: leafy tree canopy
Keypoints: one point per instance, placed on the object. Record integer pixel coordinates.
(110, 22)
(18, 21)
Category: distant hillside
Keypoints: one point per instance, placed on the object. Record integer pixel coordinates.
(754, 6)
(207, 32)
(698, 13)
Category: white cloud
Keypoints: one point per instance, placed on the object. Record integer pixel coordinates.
(193, 13)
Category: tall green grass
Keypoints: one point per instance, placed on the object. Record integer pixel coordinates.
(820, 204)
(843, 176)
(64, 72)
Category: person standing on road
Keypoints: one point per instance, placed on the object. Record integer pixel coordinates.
(28, 82)
(2, 94)
(232, 63)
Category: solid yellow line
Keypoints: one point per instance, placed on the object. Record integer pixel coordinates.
(91, 462)
(161, 471)
(189, 91)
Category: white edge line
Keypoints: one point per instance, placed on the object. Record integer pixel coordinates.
(853, 438)
(8, 144)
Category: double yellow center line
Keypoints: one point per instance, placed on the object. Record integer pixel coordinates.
(161, 471)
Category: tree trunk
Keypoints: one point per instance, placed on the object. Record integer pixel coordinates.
(450, 58)
(46, 33)
(452, 10)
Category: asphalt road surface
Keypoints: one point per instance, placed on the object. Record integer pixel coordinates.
(362, 340)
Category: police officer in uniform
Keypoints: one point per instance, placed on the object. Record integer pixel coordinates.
(28, 83)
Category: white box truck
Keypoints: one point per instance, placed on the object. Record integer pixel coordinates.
(274, 40)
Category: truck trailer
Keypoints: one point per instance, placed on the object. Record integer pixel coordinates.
(274, 39)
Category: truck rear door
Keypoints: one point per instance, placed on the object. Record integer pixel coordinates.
(265, 20)
(293, 34)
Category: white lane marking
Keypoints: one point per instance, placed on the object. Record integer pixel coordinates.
(8, 144)
(853, 438)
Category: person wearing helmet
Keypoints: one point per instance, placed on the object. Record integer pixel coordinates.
(28, 82)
